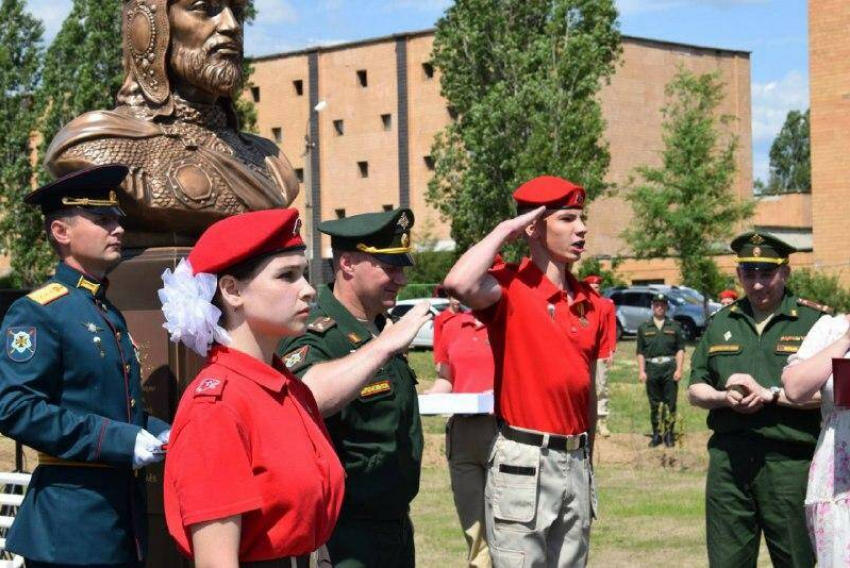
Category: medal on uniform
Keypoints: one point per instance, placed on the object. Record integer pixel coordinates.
(96, 339)
(551, 309)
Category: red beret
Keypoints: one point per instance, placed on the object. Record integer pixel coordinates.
(731, 294)
(242, 237)
(553, 192)
(593, 279)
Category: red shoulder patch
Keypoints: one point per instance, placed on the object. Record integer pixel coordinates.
(210, 387)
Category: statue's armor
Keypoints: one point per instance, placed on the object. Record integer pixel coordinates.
(183, 164)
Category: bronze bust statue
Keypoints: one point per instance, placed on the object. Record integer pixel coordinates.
(175, 126)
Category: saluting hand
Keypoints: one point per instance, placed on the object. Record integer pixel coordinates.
(517, 225)
(398, 336)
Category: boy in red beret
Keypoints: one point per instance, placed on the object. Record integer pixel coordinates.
(606, 358)
(547, 331)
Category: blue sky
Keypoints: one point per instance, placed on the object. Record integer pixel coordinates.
(775, 31)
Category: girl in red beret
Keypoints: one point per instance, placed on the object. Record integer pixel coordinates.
(251, 475)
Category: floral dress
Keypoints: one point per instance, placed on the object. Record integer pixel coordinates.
(828, 491)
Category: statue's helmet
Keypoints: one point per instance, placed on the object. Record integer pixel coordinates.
(146, 36)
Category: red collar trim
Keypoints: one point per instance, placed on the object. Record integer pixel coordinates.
(535, 278)
(268, 377)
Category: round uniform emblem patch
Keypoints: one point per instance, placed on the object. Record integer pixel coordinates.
(20, 343)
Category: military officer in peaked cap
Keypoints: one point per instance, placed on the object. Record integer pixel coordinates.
(70, 388)
(661, 355)
(762, 444)
(370, 406)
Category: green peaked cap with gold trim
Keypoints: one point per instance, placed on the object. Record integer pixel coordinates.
(761, 250)
(384, 235)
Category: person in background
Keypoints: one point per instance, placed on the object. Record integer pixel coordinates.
(70, 388)
(547, 330)
(455, 307)
(604, 363)
(762, 442)
(371, 407)
(728, 297)
(661, 357)
(464, 361)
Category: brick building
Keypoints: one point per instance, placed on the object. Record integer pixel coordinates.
(829, 84)
(369, 146)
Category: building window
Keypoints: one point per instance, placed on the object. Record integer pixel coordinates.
(364, 169)
(299, 173)
(339, 126)
(299, 87)
(452, 112)
(387, 120)
(277, 133)
(363, 78)
(388, 207)
(340, 213)
(428, 68)
(255, 94)
(429, 162)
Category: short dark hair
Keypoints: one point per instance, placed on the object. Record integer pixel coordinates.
(64, 215)
(243, 271)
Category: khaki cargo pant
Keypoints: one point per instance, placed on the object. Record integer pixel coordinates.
(468, 442)
(601, 389)
(539, 504)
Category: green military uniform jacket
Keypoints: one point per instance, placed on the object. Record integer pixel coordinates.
(664, 342)
(731, 344)
(378, 436)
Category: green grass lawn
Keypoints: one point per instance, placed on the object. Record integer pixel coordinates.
(651, 500)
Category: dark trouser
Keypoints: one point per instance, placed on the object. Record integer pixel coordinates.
(756, 485)
(372, 543)
(298, 562)
(662, 392)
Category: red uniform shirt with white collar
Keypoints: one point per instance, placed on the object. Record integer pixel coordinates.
(465, 348)
(248, 440)
(543, 348)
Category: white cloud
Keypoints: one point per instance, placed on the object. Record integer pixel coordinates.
(629, 7)
(771, 103)
(276, 11)
(773, 100)
(51, 13)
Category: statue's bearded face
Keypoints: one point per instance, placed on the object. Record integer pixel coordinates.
(206, 44)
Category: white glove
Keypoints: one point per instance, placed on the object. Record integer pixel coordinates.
(144, 453)
(164, 436)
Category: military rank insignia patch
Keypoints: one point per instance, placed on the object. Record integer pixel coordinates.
(20, 343)
(294, 360)
(374, 389)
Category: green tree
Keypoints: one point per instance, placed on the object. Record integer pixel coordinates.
(20, 63)
(820, 287)
(791, 156)
(686, 206)
(593, 266)
(523, 77)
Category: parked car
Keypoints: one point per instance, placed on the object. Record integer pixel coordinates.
(634, 306)
(425, 337)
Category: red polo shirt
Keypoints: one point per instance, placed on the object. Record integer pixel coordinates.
(465, 347)
(610, 314)
(248, 440)
(439, 323)
(543, 348)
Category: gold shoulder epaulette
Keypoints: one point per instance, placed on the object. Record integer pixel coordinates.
(321, 325)
(815, 306)
(48, 293)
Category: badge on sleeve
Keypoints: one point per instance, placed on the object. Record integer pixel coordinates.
(295, 360)
(210, 387)
(20, 343)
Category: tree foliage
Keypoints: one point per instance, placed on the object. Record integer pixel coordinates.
(523, 77)
(20, 64)
(593, 266)
(820, 287)
(686, 206)
(791, 156)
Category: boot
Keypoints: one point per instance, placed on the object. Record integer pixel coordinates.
(669, 441)
(602, 428)
(656, 440)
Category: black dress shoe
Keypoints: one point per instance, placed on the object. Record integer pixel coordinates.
(668, 440)
(655, 441)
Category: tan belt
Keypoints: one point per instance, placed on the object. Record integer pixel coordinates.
(44, 459)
